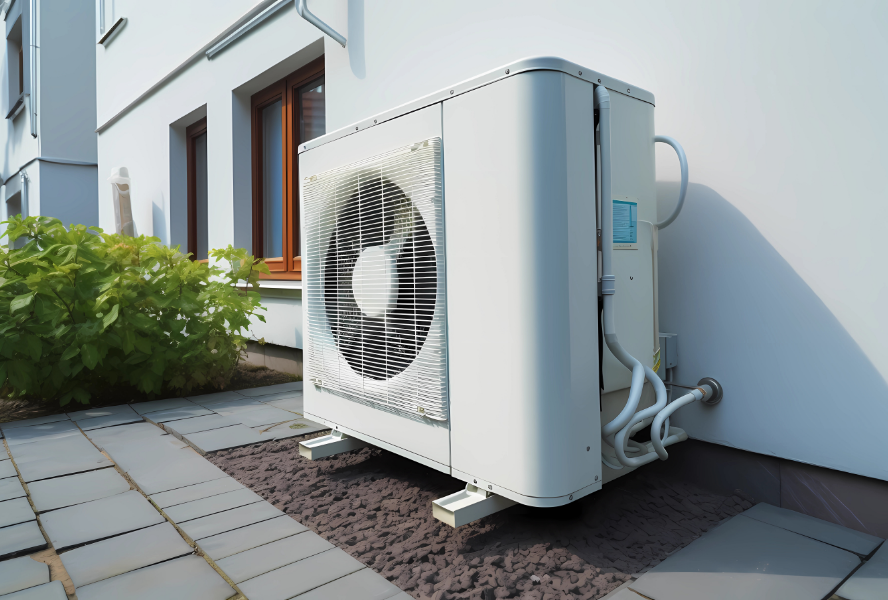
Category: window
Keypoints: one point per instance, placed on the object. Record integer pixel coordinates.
(16, 63)
(285, 114)
(198, 244)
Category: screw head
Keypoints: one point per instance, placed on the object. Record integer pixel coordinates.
(451, 92)
(587, 448)
(599, 81)
(374, 120)
(628, 91)
(581, 72)
(475, 480)
(596, 478)
(507, 71)
(571, 497)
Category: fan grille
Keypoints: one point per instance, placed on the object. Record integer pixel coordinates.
(391, 203)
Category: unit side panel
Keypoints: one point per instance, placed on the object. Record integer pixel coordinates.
(519, 396)
(424, 438)
(632, 146)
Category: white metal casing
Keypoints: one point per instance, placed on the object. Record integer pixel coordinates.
(520, 222)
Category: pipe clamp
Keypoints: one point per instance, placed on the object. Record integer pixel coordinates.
(608, 283)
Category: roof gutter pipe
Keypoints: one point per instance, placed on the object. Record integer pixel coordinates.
(302, 9)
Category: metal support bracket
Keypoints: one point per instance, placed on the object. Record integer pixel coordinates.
(329, 445)
(468, 505)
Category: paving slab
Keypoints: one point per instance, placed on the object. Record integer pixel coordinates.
(818, 529)
(869, 582)
(229, 520)
(230, 407)
(300, 577)
(220, 439)
(5, 427)
(124, 433)
(292, 404)
(59, 492)
(175, 414)
(206, 399)
(189, 469)
(269, 415)
(198, 424)
(365, 584)
(186, 578)
(233, 542)
(13, 512)
(267, 390)
(105, 411)
(196, 492)
(11, 488)
(124, 553)
(53, 458)
(621, 593)
(744, 558)
(290, 429)
(54, 590)
(109, 421)
(22, 573)
(20, 539)
(99, 519)
(196, 509)
(145, 452)
(35, 433)
(7, 469)
(263, 559)
(156, 405)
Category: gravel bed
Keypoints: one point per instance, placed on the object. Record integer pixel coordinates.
(377, 507)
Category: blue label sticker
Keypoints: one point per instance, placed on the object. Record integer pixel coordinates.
(625, 222)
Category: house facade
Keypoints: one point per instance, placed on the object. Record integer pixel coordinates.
(205, 103)
(49, 161)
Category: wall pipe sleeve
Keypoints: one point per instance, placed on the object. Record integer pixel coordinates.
(683, 163)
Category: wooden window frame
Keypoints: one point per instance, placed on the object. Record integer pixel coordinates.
(192, 132)
(288, 266)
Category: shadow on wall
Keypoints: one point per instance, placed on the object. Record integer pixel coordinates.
(796, 383)
(356, 38)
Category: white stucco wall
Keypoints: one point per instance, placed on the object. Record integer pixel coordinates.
(773, 277)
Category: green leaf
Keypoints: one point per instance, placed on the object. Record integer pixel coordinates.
(90, 356)
(21, 302)
(70, 353)
(111, 316)
(33, 346)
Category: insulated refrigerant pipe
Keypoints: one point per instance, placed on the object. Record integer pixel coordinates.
(602, 103)
(659, 445)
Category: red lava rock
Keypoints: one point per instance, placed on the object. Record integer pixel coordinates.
(376, 506)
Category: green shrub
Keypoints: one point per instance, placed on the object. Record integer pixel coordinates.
(81, 310)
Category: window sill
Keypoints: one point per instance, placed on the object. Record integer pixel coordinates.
(279, 284)
(17, 107)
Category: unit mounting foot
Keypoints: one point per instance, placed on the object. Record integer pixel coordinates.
(468, 505)
(329, 445)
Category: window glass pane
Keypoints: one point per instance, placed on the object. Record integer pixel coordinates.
(200, 175)
(312, 113)
(272, 180)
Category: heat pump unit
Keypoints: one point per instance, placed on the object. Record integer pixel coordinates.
(452, 285)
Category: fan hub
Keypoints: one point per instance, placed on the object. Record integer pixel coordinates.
(375, 281)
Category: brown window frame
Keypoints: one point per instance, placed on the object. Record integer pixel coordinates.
(288, 266)
(192, 132)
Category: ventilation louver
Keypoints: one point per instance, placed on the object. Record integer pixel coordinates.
(374, 284)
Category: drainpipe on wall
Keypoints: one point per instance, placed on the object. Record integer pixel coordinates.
(306, 14)
(33, 67)
(24, 193)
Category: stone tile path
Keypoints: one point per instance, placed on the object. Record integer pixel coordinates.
(769, 552)
(134, 511)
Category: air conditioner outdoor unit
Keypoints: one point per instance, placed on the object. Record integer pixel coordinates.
(452, 280)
